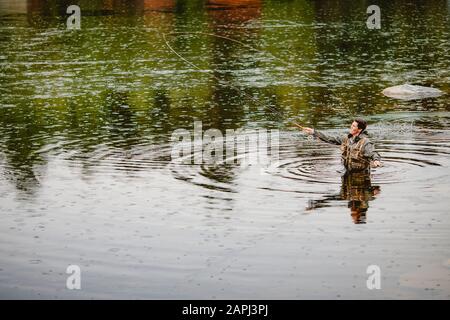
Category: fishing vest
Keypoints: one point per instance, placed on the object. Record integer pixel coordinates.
(353, 155)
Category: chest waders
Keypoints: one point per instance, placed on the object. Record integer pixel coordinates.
(353, 157)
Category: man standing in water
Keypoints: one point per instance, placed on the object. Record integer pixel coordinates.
(357, 151)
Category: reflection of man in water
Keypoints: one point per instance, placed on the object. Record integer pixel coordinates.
(357, 189)
(358, 154)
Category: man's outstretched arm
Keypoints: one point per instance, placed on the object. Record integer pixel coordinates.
(322, 136)
(327, 138)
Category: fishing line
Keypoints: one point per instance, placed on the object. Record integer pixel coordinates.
(215, 77)
(271, 108)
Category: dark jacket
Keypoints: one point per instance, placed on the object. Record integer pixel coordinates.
(357, 152)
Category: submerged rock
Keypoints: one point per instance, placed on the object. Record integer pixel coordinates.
(411, 92)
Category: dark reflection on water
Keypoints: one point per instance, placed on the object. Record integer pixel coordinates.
(86, 118)
(357, 189)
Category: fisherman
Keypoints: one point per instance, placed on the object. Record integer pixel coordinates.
(358, 153)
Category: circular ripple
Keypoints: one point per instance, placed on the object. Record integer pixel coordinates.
(306, 166)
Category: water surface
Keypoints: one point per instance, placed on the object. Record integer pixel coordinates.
(86, 176)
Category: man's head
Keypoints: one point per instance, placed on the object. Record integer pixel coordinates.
(358, 125)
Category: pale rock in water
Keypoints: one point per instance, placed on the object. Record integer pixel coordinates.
(411, 92)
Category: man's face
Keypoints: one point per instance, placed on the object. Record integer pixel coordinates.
(354, 130)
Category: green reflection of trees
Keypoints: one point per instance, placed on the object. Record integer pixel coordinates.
(115, 81)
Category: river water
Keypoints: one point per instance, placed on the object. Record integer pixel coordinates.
(87, 175)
